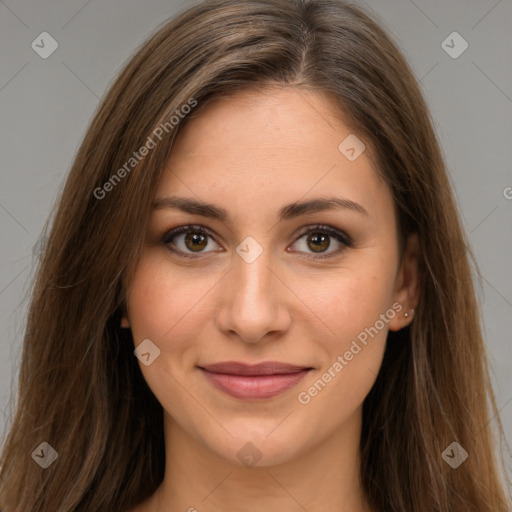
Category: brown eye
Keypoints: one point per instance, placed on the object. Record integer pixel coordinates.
(318, 239)
(189, 241)
(319, 242)
(196, 241)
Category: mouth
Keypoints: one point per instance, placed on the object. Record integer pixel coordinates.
(254, 382)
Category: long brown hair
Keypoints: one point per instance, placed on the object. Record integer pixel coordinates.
(80, 387)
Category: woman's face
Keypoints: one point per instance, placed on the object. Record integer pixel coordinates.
(272, 280)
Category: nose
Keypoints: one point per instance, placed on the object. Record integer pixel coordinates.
(253, 301)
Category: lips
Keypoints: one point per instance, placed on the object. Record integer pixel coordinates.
(266, 368)
(254, 382)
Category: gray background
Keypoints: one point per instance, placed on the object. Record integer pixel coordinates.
(46, 105)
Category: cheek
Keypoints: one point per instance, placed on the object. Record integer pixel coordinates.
(351, 300)
(160, 301)
(356, 306)
(351, 360)
(165, 307)
(173, 309)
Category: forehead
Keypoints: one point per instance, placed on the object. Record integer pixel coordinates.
(262, 147)
(273, 118)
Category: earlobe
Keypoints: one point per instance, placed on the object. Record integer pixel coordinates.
(125, 323)
(407, 288)
(402, 319)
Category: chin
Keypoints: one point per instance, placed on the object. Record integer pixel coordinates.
(257, 444)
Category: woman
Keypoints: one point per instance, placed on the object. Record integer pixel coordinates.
(256, 292)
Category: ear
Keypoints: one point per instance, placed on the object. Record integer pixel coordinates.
(407, 287)
(125, 323)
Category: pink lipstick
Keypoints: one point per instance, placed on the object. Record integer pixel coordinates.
(254, 382)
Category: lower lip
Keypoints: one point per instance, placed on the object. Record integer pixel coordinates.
(254, 387)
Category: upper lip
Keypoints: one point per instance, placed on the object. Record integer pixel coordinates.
(265, 368)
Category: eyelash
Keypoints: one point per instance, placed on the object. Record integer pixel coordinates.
(340, 236)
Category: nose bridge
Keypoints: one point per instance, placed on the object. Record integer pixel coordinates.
(251, 272)
(251, 303)
(254, 294)
(254, 279)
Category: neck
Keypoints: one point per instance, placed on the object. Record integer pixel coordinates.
(325, 477)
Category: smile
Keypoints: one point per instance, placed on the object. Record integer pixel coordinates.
(256, 382)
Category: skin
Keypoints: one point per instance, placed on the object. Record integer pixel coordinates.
(252, 154)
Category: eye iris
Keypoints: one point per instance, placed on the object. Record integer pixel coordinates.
(198, 240)
(320, 242)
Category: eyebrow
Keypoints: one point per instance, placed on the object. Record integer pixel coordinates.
(287, 212)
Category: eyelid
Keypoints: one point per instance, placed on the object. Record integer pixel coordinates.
(185, 229)
(341, 236)
(327, 229)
